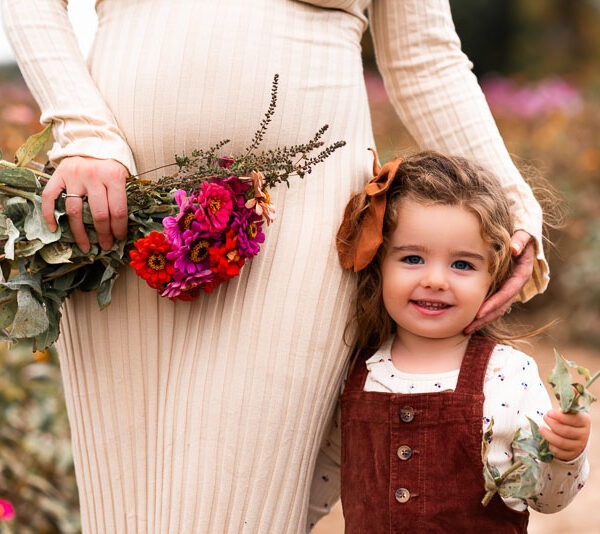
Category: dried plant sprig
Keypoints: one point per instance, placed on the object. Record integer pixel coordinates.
(523, 478)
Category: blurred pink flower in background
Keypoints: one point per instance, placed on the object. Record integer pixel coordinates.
(7, 511)
(531, 100)
(19, 114)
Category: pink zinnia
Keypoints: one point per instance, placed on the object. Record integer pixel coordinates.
(184, 220)
(216, 206)
(7, 511)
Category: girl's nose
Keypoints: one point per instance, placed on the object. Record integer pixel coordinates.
(435, 278)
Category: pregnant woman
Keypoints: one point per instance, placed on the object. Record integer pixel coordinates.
(207, 416)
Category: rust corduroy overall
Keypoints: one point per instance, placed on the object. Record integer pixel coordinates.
(411, 463)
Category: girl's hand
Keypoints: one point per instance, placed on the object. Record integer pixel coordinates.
(567, 434)
(500, 302)
(102, 181)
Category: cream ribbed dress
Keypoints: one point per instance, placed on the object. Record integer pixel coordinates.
(207, 416)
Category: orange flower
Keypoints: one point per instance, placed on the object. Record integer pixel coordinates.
(261, 201)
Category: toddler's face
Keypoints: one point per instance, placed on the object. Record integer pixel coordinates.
(435, 271)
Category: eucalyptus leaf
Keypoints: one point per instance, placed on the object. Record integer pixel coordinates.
(13, 235)
(525, 483)
(8, 311)
(2, 224)
(32, 146)
(533, 444)
(66, 282)
(30, 319)
(25, 249)
(560, 381)
(19, 177)
(35, 227)
(24, 280)
(57, 253)
(105, 289)
(17, 208)
(49, 335)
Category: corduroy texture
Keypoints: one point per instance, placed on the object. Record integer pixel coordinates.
(438, 486)
(207, 417)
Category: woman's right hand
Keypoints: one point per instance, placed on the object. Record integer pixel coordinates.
(102, 181)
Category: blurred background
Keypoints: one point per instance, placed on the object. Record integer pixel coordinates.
(539, 65)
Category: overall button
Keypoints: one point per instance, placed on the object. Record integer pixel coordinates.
(404, 452)
(402, 495)
(407, 414)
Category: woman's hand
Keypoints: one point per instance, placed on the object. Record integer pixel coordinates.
(500, 302)
(102, 181)
(567, 434)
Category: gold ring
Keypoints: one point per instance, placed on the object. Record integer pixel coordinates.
(73, 195)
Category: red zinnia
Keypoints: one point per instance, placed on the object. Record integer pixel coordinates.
(150, 260)
(225, 261)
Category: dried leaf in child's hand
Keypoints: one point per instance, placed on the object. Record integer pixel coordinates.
(572, 396)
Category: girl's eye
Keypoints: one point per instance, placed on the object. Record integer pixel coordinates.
(462, 265)
(412, 260)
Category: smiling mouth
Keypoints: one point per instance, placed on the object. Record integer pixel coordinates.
(431, 305)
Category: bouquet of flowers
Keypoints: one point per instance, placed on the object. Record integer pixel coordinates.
(187, 232)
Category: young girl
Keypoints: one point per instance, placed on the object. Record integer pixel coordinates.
(430, 239)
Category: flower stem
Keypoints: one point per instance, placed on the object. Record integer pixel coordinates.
(490, 493)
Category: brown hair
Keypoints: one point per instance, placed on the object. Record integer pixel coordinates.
(431, 178)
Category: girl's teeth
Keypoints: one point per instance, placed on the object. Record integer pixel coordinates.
(432, 305)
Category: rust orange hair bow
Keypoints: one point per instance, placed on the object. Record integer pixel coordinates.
(358, 251)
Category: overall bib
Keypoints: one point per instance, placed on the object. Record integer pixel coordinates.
(412, 462)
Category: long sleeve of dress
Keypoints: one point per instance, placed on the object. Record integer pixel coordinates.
(433, 90)
(56, 73)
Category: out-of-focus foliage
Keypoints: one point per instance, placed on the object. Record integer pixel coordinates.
(531, 38)
(36, 465)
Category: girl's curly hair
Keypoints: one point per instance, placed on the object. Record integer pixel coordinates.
(430, 178)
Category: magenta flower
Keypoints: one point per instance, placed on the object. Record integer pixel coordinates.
(191, 255)
(184, 220)
(248, 226)
(216, 206)
(239, 189)
(184, 287)
(7, 511)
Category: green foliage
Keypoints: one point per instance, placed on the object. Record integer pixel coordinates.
(36, 465)
(573, 396)
(523, 478)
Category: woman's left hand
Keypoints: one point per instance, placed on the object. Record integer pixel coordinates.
(523, 248)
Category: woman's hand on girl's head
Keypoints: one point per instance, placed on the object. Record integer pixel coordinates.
(102, 181)
(567, 434)
(499, 303)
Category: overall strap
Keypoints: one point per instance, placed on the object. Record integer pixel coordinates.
(357, 372)
(474, 365)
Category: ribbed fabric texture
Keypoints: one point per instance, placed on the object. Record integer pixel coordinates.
(207, 416)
